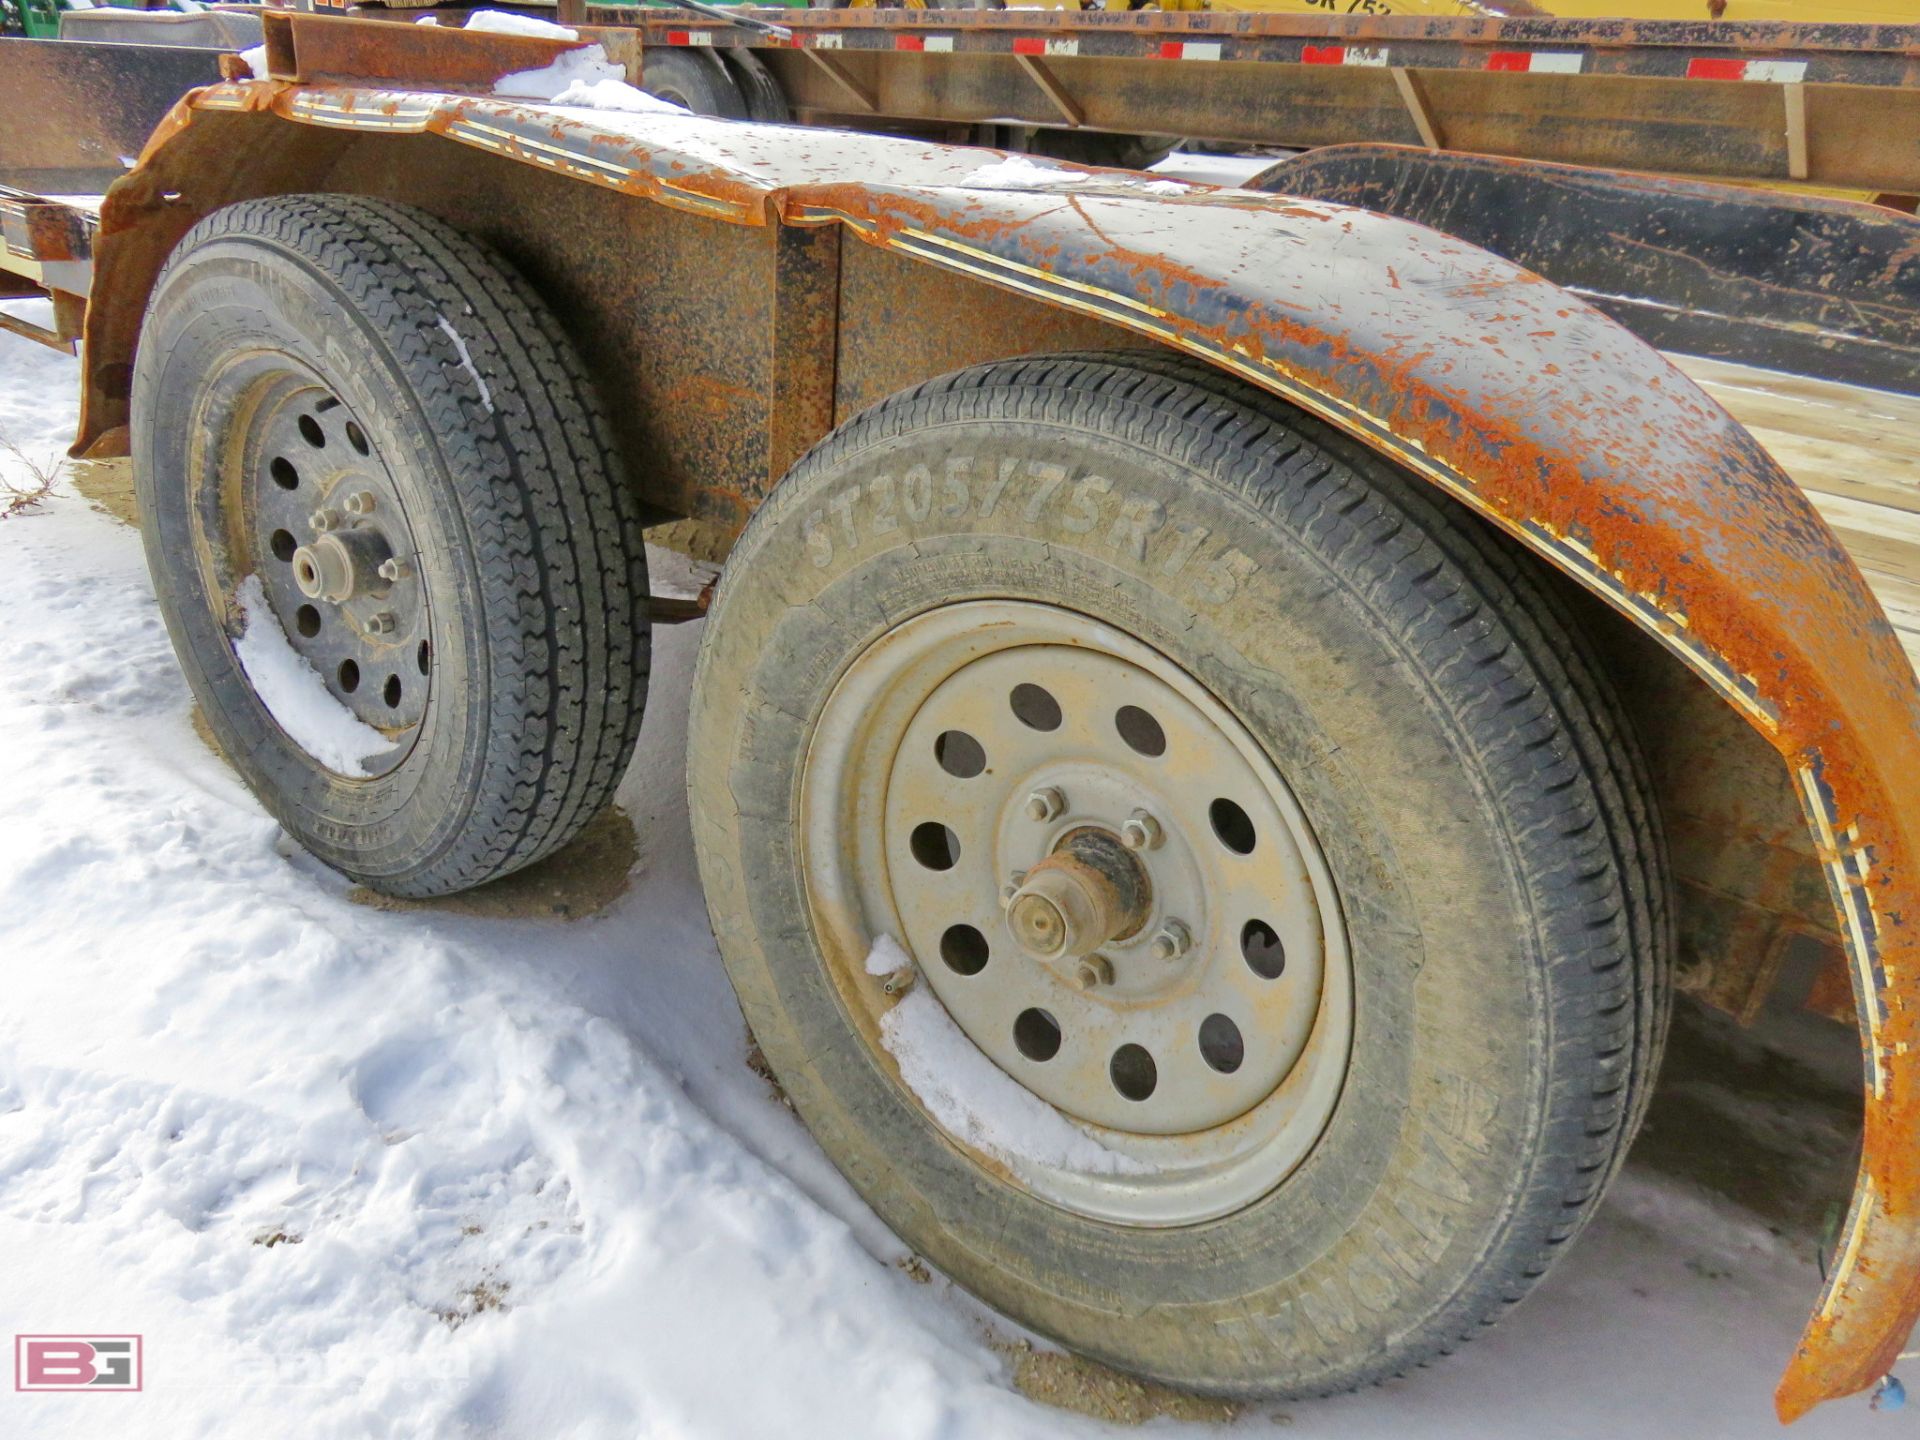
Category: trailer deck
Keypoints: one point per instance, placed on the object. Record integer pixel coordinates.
(1855, 453)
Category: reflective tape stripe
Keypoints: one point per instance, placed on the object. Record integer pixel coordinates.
(1537, 62)
(1189, 49)
(1341, 55)
(1775, 72)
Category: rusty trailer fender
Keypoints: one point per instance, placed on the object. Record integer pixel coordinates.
(1508, 394)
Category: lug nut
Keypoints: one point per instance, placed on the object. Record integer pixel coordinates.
(1094, 971)
(393, 569)
(360, 503)
(1141, 832)
(323, 520)
(1011, 888)
(1172, 940)
(1045, 803)
(381, 622)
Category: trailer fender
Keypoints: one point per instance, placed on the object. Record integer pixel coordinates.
(1505, 392)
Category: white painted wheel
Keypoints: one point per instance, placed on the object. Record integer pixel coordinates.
(1180, 987)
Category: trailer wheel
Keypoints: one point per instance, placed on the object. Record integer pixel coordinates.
(766, 102)
(1095, 147)
(1200, 892)
(389, 536)
(694, 78)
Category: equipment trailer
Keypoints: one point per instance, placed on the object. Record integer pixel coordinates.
(1282, 682)
(1829, 104)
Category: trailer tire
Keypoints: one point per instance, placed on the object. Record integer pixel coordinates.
(1095, 147)
(766, 102)
(362, 443)
(1412, 729)
(694, 78)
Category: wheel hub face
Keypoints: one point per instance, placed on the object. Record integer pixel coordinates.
(1087, 893)
(1218, 1034)
(318, 517)
(1106, 885)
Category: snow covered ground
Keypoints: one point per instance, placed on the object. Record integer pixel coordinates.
(354, 1172)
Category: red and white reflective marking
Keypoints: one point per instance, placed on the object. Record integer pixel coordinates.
(1534, 62)
(1341, 55)
(1772, 72)
(1189, 49)
(1537, 62)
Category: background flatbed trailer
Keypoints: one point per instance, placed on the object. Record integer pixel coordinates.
(1835, 105)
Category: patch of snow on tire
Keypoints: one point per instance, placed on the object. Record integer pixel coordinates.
(296, 696)
(974, 1099)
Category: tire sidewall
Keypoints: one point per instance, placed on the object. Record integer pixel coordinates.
(696, 79)
(217, 302)
(1342, 1271)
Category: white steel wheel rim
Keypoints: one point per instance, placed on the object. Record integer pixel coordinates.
(1213, 1131)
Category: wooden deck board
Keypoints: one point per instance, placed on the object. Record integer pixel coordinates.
(1856, 452)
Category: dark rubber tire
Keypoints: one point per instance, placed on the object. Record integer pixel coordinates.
(1091, 147)
(766, 102)
(1440, 717)
(694, 78)
(530, 552)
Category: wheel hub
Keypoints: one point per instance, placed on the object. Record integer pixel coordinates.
(341, 567)
(1089, 891)
(1104, 882)
(325, 527)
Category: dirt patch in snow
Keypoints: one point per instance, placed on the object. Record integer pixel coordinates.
(205, 732)
(758, 1064)
(1086, 1387)
(579, 880)
(476, 1300)
(108, 487)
